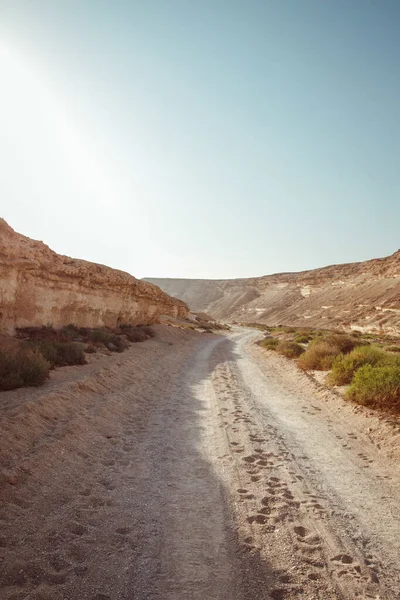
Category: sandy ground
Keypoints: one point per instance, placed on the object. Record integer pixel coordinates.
(192, 467)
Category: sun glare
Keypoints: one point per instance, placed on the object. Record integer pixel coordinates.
(44, 133)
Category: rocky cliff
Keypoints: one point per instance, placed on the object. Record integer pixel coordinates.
(364, 296)
(40, 287)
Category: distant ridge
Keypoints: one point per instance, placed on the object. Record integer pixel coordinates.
(363, 295)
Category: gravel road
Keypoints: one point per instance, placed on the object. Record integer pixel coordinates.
(194, 467)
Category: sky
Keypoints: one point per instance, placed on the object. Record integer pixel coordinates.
(211, 139)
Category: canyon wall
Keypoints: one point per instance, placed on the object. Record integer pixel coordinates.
(40, 287)
(363, 296)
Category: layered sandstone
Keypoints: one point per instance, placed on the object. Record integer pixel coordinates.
(363, 296)
(40, 287)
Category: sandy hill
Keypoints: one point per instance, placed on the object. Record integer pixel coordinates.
(363, 296)
(39, 287)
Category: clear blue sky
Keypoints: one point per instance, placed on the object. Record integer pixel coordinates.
(218, 138)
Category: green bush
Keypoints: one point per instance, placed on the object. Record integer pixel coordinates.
(376, 386)
(345, 366)
(22, 367)
(290, 349)
(60, 354)
(318, 356)
(269, 343)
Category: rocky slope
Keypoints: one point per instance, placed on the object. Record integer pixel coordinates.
(40, 287)
(364, 296)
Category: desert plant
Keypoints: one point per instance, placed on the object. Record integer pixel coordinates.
(151, 333)
(101, 336)
(318, 356)
(261, 326)
(393, 348)
(376, 386)
(60, 354)
(71, 353)
(269, 343)
(68, 333)
(90, 349)
(290, 349)
(119, 343)
(345, 365)
(22, 367)
(302, 339)
(135, 334)
(345, 343)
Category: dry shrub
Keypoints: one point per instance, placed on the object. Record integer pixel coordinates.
(119, 343)
(303, 339)
(101, 336)
(148, 330)
(60, 354)
(22, 367)
(379, 386)
(269, 343)
(136, 334)
(321, 353)
(289, 349)
(319, 356)
(345, 343)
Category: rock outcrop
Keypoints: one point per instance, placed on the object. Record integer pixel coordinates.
(363, 296)
(40, 287)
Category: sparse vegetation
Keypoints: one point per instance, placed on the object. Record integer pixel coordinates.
(149, 331)
(283, 329)
(269, 343)
(101, 336)
(303, 338)
(22, 366)
(362, 360)
(289, 349)
(27, 359)
(260, 326)
(135, 334)
(376, 386)
(60, 354)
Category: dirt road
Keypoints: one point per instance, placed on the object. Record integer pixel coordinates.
(193, 467)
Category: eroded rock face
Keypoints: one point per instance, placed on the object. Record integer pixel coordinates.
(40, 287)
(363, 296)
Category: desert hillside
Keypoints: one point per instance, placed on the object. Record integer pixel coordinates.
(40, 287)
(363, 295)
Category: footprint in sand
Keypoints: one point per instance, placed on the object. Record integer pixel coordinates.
(249, 459)
(123, 530)
(78, 528)
(260, 519)
(345, 559)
